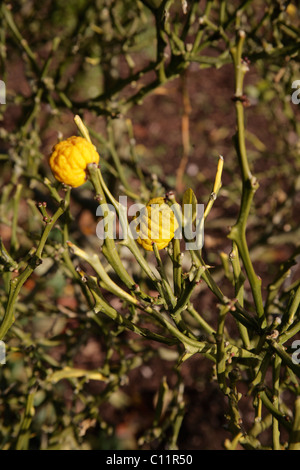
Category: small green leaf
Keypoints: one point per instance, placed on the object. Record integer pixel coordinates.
(189, 206)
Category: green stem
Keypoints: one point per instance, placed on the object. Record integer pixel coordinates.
(115, 157)
(103, 306)
(187, 291)
(192, 346)
(24, 433)
(294, 443)
(166, 288)
(109, 248)
(68, 262)
(239, 291)
(18, 36)
(202, 323)
(177, 269)
(17, 283)
(129, 242)
(104, 279)
(238, 311)
(286, 359)
(37, 99)
(276, 387)
(289, 315)
(250, 185)
(201, 28)
(261, 373)
(274, 411)
(289, 333)
(221, 357)
(132, 246)
(260, 426)
(14, 240)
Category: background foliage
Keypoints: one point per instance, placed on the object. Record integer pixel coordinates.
(155, 83)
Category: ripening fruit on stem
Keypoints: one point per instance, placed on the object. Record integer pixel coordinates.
(70, 158)
(157, 224)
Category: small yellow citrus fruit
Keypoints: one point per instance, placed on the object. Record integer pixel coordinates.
(157, 224)
(70, 158)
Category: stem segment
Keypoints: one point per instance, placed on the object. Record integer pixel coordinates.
(250, 184)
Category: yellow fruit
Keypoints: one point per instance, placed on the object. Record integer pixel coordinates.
(291, 10)
(157, 224)
(70, 158)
